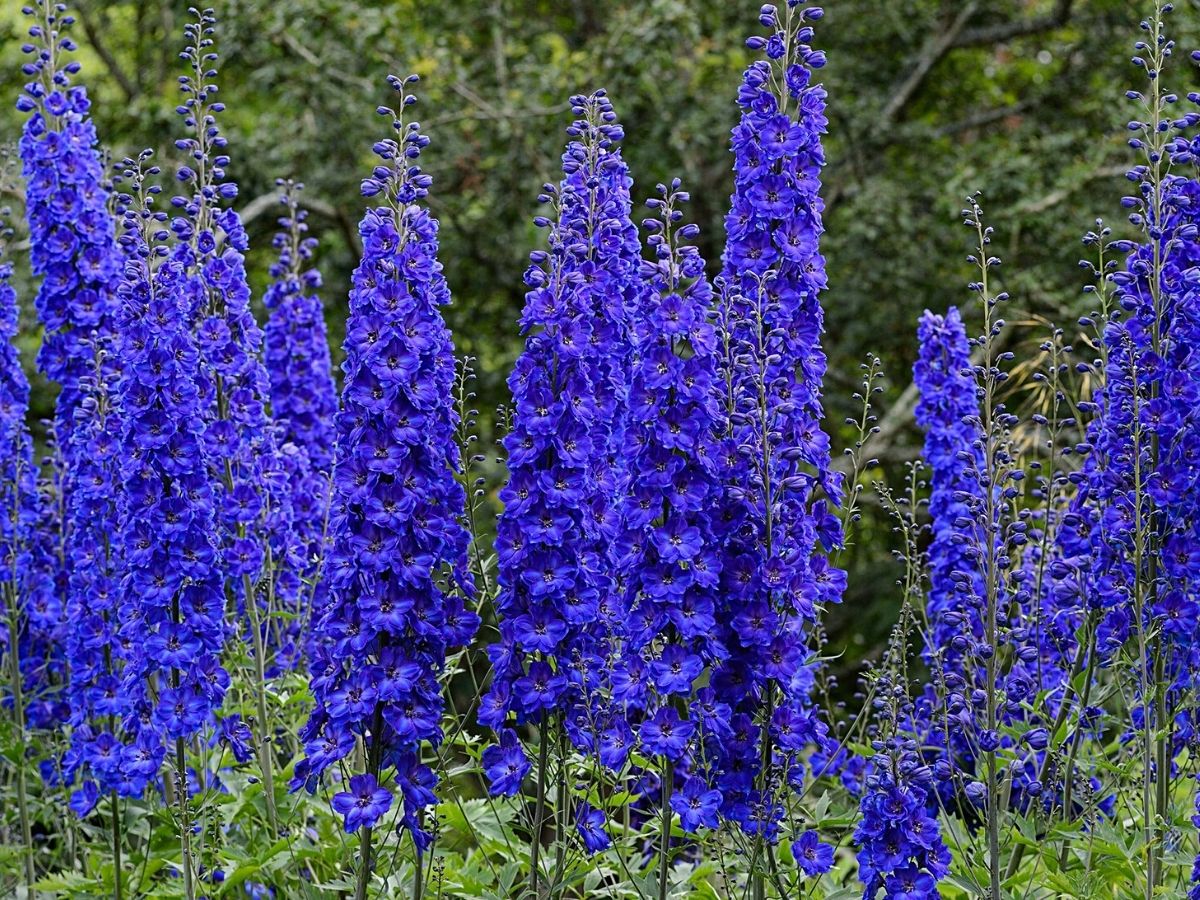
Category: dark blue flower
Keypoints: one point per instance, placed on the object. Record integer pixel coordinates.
(364, 804)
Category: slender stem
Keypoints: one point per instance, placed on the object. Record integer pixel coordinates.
(364, 869)
(265, 761)
(664, 853)
(539, 811)
(116, 843)
(185, 820)
(19, 721)
(419, 876)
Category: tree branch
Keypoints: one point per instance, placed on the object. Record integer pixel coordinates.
(128, 88)
(1006, 31)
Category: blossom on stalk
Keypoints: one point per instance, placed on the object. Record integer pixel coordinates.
(557, 602)
(901, 851)
(667, 553)
(31, 612)
(72, 235)
(171, 596)
(303, 396)
(395, 528)
(776, 575)
(948, 413)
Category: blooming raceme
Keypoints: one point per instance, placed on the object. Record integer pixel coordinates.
(900, 846)
(557, 601)
(948, 413)
(776, 575)
(94, 559)
(30, 610)
(667, 552)
(252, 509)
(72, 235)
(395, 525)
(171, 596)
(303, 397)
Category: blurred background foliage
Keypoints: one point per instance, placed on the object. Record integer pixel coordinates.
(929, 99)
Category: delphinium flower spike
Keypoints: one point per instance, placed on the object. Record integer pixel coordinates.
(776, 573)
(72, 234)
(557, 602)
(303, 396)
(667, 553)
(172, 600)
(253, 508)
(396, 535)
(25, 583)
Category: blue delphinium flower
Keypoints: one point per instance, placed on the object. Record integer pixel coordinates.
(775, 575)
(900, 846)
(32, 613)
(240, 441)
(667, 553)
(948, 413)
(557, 602)
(812, 856)
(95, 650)
(303, 398)
(171, 596)
(72, 234)
(395, 526)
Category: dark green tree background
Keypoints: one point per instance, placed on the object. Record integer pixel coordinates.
(929, 99)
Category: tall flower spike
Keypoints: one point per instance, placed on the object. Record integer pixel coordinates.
(72, 234)
(210, 242)
(667, 553)
(94, 649)
(395, 529)
(948, 413)
(777, 577)
(172, 600)
(30, 609)
(557, 601)
(303, 400)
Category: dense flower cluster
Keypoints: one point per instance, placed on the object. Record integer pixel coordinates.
(72, 235)
(395, 525)
(948, 413)
(901, 851)
(94, 559)
(303, 395)
(668, 553)
(171, 596)
(28, 603)
(776, 576)
(557, 601)
(252, 511)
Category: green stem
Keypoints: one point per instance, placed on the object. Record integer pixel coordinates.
(116, 843)
(185, 820)
(419, 877)
(265, 761)
(539, 810)
(364, 868)
(19, 722)
(664, 853)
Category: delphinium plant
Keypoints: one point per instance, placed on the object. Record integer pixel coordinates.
(398, 567)
(776, 575)
(303, 403)
(558, 607)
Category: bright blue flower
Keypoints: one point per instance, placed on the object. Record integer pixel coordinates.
(813, 857)
(364, 804)
(698, 806)
(557, 602)
(26, 564)
(303, 403)
(505, 764)
(172, 603)
(389, 622)
(72, 235)
(589, 823)
(776, 540)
